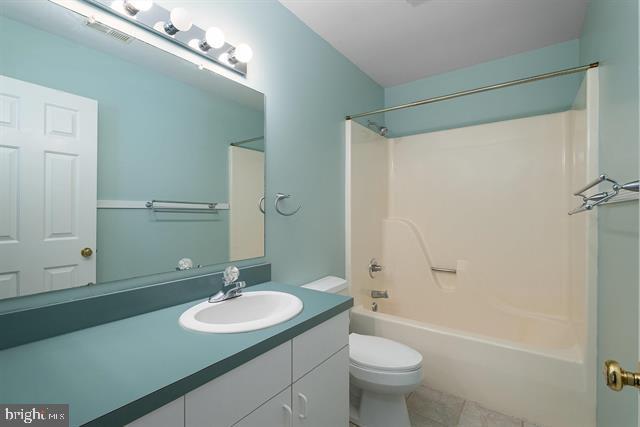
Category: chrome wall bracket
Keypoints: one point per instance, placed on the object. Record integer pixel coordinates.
(614, 195)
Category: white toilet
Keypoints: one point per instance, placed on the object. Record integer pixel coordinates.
(384, 370)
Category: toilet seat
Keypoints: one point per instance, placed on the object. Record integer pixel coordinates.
(376, 354)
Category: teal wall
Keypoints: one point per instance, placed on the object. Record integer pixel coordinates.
(519, 101)
(175, 149)
(309, 89)
(610, 35)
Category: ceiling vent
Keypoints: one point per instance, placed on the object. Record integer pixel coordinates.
(415, 3)
(108, 31)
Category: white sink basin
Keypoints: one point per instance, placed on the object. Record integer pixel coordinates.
(248, 312)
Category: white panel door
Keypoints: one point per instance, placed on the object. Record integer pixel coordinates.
(246, 187)
(48, 162)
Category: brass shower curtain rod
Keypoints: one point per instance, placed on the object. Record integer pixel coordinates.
(531, 79)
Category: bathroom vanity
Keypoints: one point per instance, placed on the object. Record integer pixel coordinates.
(306, 383)
(147, 370)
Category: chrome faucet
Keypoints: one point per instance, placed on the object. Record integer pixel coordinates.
(374, 267)
(230, 277)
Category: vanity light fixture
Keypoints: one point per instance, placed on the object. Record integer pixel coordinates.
(176, 26)
(179, 20)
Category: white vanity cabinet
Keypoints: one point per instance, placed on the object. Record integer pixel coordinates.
(303, 382)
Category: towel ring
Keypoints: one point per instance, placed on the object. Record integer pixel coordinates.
(279, 197)
(261, 204)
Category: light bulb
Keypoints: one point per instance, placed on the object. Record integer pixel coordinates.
(243, 53)
(118, 6)
(132, 7)
(141, 5)
(224, 58)
(180, 19)
(214, 37)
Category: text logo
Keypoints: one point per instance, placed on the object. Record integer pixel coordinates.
(34, 415)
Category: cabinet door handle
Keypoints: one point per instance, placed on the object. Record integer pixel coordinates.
(289, 412)
(303, 406)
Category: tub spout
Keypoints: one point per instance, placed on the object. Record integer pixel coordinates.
(379, 294)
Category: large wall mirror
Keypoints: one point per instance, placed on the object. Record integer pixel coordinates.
(118, 159)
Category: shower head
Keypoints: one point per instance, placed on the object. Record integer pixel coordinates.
(381, 130)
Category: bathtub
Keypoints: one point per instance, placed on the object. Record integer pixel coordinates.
(545, 382)
(514, 327)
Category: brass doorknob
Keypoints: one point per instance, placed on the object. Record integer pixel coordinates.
(617, 377)
(86, 252)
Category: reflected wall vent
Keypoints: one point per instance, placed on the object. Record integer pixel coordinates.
(106, 30)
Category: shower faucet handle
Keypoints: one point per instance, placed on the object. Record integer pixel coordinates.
(374, 267)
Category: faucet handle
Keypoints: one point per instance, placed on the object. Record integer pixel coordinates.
(241, 284)
(230, 275)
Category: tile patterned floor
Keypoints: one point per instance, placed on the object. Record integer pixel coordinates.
(432, 408)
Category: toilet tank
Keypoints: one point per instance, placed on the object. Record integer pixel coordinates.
(331, 284)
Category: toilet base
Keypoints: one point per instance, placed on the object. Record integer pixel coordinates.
(381, 410)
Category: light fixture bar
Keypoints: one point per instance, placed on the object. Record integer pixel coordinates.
(157, 20)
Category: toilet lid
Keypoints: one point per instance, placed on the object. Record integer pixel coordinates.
(382, 354)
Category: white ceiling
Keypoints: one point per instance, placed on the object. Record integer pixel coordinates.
(398, 41)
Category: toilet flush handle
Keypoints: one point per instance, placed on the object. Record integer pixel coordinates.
(304, 402)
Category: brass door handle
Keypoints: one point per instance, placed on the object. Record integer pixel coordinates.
(617, 377)
(86, 252)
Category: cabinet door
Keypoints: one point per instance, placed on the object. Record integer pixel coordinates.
(225, 400)
(170, 415)
(321, 397)
(276, 412)
(317, 344)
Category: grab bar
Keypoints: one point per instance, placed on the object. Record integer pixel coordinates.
(444, 270)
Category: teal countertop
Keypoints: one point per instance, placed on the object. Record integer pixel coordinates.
(116, 372)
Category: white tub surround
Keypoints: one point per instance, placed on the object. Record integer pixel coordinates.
(487, 275)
